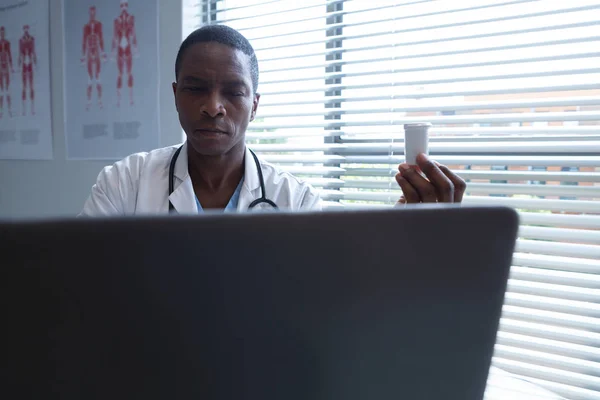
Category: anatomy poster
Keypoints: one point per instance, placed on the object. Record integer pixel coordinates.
(25, 115)
(111, 77)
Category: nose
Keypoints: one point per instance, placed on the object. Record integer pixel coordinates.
(213, 106)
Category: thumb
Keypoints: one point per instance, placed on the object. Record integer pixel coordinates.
(401, 201)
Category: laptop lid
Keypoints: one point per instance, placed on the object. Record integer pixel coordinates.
(334, 305)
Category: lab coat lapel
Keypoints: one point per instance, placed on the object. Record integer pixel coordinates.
(251, 187)
(183, 197)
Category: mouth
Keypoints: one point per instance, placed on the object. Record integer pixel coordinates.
(210, 132)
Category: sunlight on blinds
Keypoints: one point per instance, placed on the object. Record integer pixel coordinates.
(512, 89)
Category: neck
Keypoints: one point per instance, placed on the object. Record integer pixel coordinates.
(213, 173)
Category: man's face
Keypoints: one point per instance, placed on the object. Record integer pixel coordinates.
(92, 13)
(26, 29)
(214, 97)
(123, 6)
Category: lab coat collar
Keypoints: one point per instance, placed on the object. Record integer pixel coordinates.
(183, 197)
(251, 181)
(181, 166)
(251, 186)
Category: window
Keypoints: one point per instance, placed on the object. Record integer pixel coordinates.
(512, 89)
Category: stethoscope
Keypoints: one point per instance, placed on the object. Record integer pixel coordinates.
(261, 200)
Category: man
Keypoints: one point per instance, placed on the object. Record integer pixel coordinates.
(92, 53)
(216, 97)
(27, 59)
(125, 40)
(6, 67)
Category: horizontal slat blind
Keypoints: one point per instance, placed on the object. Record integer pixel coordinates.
(512, 89)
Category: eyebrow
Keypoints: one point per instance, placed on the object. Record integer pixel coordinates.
(192, 79)
(236, 82)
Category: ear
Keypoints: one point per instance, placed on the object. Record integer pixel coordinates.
(174, 84)
(254, 106)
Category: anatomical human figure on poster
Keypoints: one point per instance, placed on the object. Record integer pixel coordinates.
(25, 114)
(111, 102)
(27, 60)
(93, 56)
(124, 44)
(6, 69)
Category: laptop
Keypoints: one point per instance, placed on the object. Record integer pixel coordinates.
(371, 304)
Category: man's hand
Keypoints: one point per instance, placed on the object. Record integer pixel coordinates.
(435, 184)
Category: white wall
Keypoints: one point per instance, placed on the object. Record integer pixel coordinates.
(60, 187)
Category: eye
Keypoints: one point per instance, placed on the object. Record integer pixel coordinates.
(193, 89)
(237, 94)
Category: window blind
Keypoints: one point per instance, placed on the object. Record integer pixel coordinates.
(512, 89)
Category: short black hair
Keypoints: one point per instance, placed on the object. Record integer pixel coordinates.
(224, 35)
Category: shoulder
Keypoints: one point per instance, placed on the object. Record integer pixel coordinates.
(132, 166)
(118, 185)
(277, 174)
(144, 159)
(302, 194)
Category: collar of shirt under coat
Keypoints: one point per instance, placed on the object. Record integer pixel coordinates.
(183, 197)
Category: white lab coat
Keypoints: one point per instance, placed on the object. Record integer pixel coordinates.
(139, 184)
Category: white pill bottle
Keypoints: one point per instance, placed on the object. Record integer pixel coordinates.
(416, 139)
